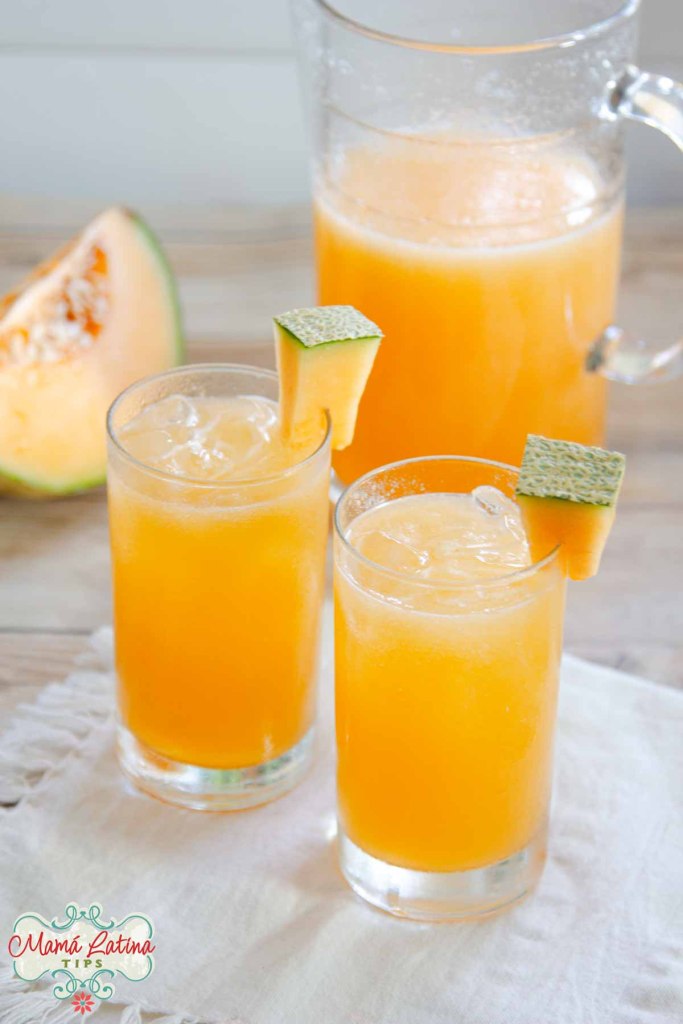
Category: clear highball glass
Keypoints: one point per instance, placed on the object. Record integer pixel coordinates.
(445, 701)
(218, 590)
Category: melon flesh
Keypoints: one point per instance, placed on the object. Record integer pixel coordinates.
(324, 356)
(567, 494)
(99, 315)
(580, 530)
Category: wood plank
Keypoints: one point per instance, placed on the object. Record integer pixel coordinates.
(254, 281)
(660, 662)
(652, 235)
(50, 223)
(55, 563)
(637, 597)
(28, 661)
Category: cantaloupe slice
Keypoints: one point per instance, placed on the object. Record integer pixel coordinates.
(98, 315)
(567, 494)
(324, 355)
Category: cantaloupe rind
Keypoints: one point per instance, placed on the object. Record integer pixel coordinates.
(325, 325)
(567, 494)
(178, 349)
(325, 355)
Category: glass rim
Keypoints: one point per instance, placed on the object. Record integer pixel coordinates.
(562, 40)
(435, 584)
(230, 368)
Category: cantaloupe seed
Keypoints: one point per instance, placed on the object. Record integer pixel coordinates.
(69, 319)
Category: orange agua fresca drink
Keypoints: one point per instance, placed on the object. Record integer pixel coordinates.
(448, 643)
(218, 533)
(492, 269)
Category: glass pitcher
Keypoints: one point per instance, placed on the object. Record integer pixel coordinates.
(468, 197)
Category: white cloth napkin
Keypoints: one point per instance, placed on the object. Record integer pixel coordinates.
(254, 924)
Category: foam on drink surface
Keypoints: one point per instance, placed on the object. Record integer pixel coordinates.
(212, 439)
(462, 191)
(444, 537)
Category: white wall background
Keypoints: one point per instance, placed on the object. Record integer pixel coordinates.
(197, 101)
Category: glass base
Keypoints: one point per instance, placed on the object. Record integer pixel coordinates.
(212, 789)
(442, 895)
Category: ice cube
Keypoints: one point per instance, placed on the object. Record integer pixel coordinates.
(393, 552)
(208, 438)
(169, 413)
(490, 499)
(153, 447)
(176, 409)
(515, 527)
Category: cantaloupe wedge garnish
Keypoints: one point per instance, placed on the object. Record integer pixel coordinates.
(567, 494)
(97, 315)
(324, 355)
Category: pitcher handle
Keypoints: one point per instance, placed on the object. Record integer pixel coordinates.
(657, 101)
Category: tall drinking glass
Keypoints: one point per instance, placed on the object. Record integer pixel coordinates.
(447, 666)
(468, 197)
(218, 536)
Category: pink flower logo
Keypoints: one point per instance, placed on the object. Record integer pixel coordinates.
(82, 1003)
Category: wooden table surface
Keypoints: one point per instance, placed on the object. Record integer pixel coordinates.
(238, 266)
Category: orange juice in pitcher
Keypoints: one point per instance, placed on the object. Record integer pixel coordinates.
(491, 271)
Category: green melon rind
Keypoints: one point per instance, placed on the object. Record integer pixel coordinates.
(154, 245)
(567, 471)
(28, 486)
(327, 325)
(33, 487)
